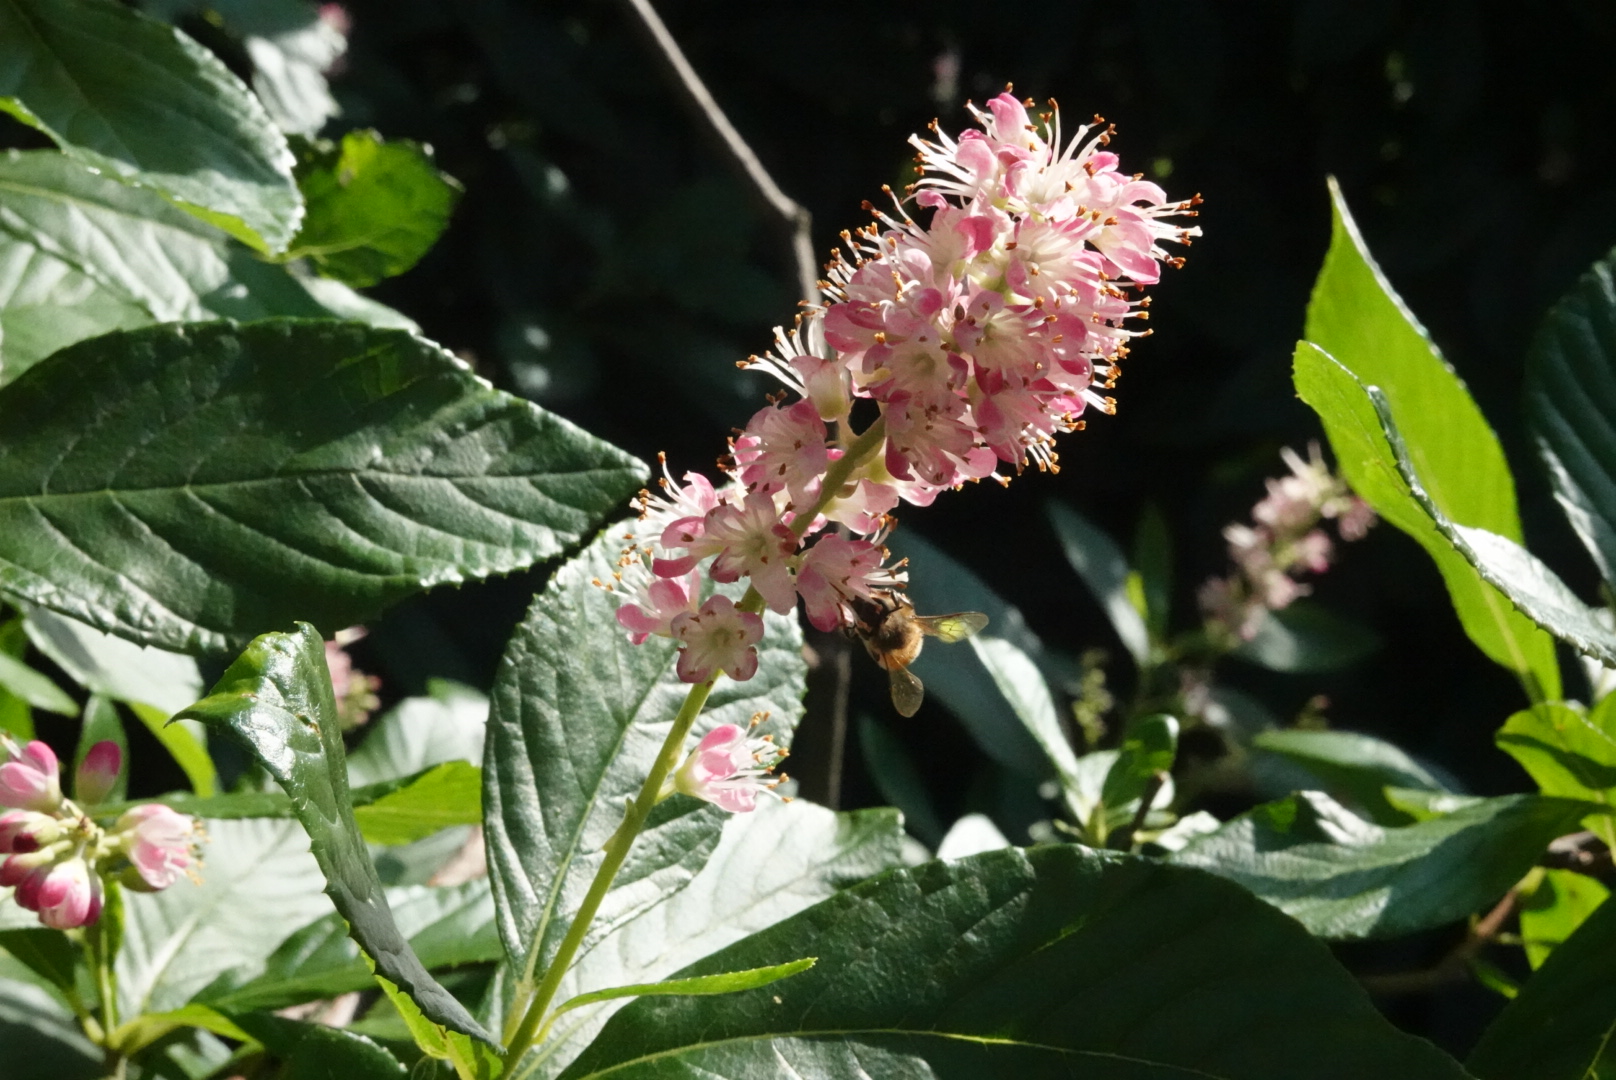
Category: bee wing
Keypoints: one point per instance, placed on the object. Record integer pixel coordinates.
(907, 691)
(951, 628)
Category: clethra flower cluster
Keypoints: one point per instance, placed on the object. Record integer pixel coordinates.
(56, 856)
(1284, 542)
(730, 768)
(970, 339)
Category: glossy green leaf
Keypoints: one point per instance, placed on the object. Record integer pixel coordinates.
(809, 853)
(1568, 753)
(276, 700)
(259, 885)
(81, 254)
(1050, 963)
(374, 207)
(446, 926)
(1356, 318)
(34, 687)
(113, 667)
(444, 795)
(142, 102)
(1344, 877)
(1570, 396)
(470, 1059)
(728, 982)
(1149, 746)
(578, 716)
(1023, 687)
(1104, 569)
(316, 1052)
(1560, 1025)
(1562, 901)
(1307, 638)
(188, 486)
(1352, 767)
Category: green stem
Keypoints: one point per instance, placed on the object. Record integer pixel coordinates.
(617, 848)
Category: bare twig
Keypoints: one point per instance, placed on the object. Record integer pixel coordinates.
(1454, 966)
(742, 157)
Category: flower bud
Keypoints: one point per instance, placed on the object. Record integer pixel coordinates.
(25, 831)
(160, 843)
(66, 895)
(98, 772)
(30, 780)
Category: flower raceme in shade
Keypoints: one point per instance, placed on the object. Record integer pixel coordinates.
(974, 319)
(57, 857)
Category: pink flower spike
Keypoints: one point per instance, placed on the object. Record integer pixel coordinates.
(717, 638)
(98, 772)
(67, 895)
(729, 769)
(160, 843)
(29, 781)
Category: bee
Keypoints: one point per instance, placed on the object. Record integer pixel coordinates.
(893, 635)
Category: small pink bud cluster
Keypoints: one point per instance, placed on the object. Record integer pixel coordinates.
(973, 339)
(56, 856)
(730, 768)
(354, 690)
(1285, 542)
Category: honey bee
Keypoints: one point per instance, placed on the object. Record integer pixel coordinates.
(893, 635)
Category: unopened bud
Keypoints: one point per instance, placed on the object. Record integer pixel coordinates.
(98, 773)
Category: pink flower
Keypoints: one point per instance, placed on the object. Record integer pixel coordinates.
(717, 638)
(784, 449)
(729, 769)
(30, 780)
(66, 894)
(750, 541)
(160, 843)
(663, 600)
(98, 772)
(834, 571)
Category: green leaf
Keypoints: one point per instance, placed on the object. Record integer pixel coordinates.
(291, 45)
(770, 865)
(449, 724)
(578, 716)
(1352, 767)
(1358, 320)
(1306, 638)
(446, 926)
(1049, 963)
(471, 1060)
(444, 795)
(47, 953)
(148, 106)
(317, 1052)
(1568, 754)
(141, 1032)
(259, 885)
(1345, 878)
(188, 486)
(1562, 901)
(1570, 396)
(81, 254)
(276, 700)
(891, 767)
(1149, 745)
(1153, 561)
(102, 724)
(39, 1037)
(1104, 569)
(374, 207)
(1023, 687)
(115, 668)
(1560, 1025)
(34, 687)
(729, 982)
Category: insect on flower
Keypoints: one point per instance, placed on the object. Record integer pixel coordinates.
(893, 636)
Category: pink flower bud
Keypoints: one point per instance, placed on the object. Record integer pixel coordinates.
(66, 895)
(25, 831)
(98, 772)
(729, 769)
(18, 869)
(30, 780)
(160, 843)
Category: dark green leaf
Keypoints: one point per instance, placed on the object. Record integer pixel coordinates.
(578, 717)
(145, 104)
(48, 954)
(1050, 963)
(1104, 569)
(1153, 561)
(1571, 406)
(1149, 745)
(1568, 754)
(188, 486)
(374, 207)
(1343, 877)
(729, 982)
(1022, 685)
(1306, 638)
(317, 1052)
(444, 795)
(276, 700)
(1358, 320)
(891, 766)
(35, 688)
(39, 1037)
(1560, 1026)
(1352, 767)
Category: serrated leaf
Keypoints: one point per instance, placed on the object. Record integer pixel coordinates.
(1345, 878)
(144, 103)
(81, 254)
(189, 486)
(374, 207)
(276, 700)
(1074, 963)
(1352, 767)
(1559, 1026)
(577, 718)
(1099, 561)
(1307, 638)
(1568, 754)
(1359, 320)
(1570, 394)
